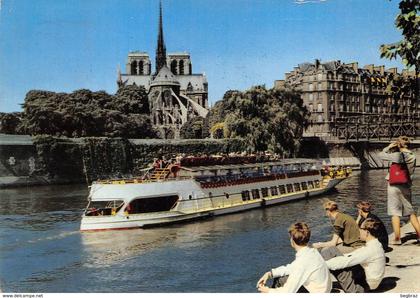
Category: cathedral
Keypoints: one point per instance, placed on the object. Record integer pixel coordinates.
(175, 94)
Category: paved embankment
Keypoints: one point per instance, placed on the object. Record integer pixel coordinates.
(403, 269)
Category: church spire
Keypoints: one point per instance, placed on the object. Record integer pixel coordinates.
(161, 49)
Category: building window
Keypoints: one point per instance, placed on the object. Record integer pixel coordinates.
(311, 96)
(141, 66)
(311, 87)
(134, 67)
(320, 118)
(181, 67)
(311, 107)
(319, 107)
(174, 65)
(319, 77)
(319, 86)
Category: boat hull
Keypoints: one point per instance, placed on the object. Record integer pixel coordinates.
(182, 214)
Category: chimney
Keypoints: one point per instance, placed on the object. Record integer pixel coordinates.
(381, 69)
(353, 65)
(369, 67)
(393, 70)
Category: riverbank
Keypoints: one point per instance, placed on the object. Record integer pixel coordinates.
(44, 160)
(403, 269)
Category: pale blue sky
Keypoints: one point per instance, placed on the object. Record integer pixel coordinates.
(65, 45)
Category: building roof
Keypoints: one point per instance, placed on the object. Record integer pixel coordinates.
(198, 81)
(165, 77)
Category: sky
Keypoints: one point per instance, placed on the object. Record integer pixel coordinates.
(66, 45)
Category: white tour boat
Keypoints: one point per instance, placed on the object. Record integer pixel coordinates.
(202, 187)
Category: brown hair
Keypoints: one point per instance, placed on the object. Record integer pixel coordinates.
(403, 141)
(372, 226)
(330, 206)
(365, 206)
(300, 233)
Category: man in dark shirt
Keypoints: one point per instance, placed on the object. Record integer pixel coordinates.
(346, 231)
(365, 211)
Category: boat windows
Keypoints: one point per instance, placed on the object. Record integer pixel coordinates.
(316, 183)
(264, 192)
(297, 186)
(255, 194)
(154, 204)
(310, 184)
(274, 191)
(304, 185)
(245, 195)
(289, 188)
(282, 189)
(108, 207)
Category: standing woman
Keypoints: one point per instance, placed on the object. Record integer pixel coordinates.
(399, 195)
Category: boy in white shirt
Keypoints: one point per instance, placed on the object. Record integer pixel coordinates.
(363, 269)
(308, 270)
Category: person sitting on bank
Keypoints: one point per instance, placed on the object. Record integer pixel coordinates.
(364, 209)
(346, 232)
(363, 269)
(307, 273)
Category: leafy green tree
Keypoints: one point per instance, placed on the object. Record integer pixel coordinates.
(195, 128)
(265, 119)
(10, 123)
(408, 21)
(408, 49)
(85, 113)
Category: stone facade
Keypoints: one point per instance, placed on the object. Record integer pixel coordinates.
(334, 90)
(175, 93)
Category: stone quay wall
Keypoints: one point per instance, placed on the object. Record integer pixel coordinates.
(26, 160)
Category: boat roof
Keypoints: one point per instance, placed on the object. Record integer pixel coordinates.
(284, 162)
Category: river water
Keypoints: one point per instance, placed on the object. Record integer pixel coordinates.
(42, 249)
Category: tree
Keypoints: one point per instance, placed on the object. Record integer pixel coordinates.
(265, 119)
(10, 123)
(408, 49)
(195, 128)
(85, 113)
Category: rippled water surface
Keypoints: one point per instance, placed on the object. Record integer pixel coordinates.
(42, 249)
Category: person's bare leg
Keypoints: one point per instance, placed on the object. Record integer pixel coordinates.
(396, 227)
(415, 222)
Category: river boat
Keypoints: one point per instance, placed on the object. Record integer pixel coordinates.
(200, 187)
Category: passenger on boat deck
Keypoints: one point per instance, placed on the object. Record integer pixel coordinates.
(307, 273)
(363, 269)
(156, 163)
(346, 232)
(364, 209)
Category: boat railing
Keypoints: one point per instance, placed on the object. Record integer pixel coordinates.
(222, 181)
(168, 173)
